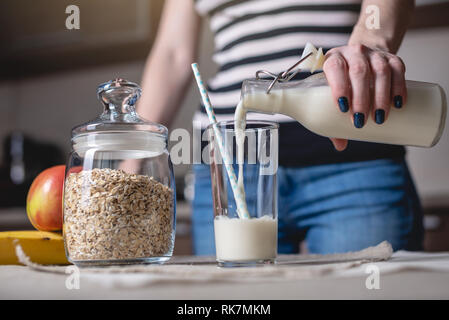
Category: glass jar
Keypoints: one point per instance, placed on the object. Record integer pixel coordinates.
(119, 191)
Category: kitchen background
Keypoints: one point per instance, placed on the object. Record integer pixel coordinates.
(49, 75)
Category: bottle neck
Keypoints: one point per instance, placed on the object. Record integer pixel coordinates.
(291, 98)
(255, 97)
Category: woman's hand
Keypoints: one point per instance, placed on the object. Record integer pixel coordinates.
(364, 82)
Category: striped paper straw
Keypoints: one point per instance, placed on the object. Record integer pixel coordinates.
(242, 210)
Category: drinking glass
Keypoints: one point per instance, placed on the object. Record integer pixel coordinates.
(242, 241)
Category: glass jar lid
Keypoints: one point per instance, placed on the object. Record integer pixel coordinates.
(119, 127)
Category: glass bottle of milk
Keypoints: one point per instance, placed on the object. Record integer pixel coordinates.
(419, 122)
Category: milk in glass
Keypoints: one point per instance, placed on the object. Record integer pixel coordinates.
(243, 240)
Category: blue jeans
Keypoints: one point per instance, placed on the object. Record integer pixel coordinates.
(334, 207)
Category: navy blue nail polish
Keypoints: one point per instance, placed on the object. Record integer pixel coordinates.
(379, 116)
(343, 104)
(397, 101)
(359, 120)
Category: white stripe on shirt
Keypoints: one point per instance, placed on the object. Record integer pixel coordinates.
(279, 43)
(284, 20)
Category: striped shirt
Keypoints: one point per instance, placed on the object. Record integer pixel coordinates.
(250, 35)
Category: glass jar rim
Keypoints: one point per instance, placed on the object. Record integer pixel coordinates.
(265, 125)
(98, 127)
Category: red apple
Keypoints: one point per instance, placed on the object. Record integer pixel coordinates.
(44, 200)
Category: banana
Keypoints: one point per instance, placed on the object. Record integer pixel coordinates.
(40, 246)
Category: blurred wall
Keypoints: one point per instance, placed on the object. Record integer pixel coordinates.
(425, 55)
(8, 97)
(49, 106)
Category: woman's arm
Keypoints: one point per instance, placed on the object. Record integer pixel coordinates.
(366, 76)
(167, 71)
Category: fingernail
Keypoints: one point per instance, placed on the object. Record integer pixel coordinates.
(397, 101)
(359, 120)
(379, 116)
(343, 104)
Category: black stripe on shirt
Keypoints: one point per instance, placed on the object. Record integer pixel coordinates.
(324, 7)
(288, 30)
(266, 57)
(299, 147)
(225, 5)
(219, 111)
